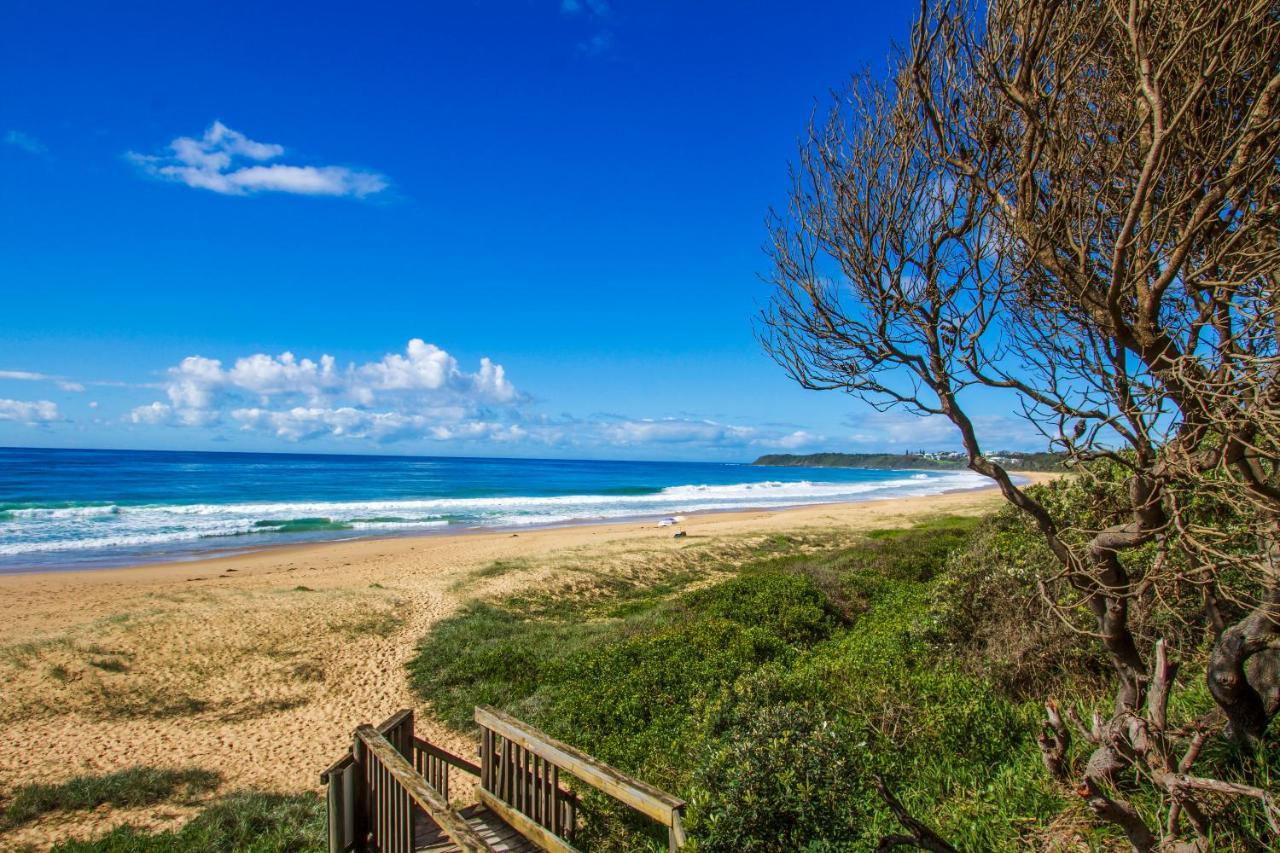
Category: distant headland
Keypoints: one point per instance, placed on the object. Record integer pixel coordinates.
(944, 459)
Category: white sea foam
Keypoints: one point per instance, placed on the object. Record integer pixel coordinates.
(26, 531)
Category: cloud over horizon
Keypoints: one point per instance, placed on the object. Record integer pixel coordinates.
(30, 412)
(416, 393)
(228, 162)
(421, 395)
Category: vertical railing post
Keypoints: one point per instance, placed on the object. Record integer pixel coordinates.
(360, 801)
(557, 817)
(675, 835)
(336, 817)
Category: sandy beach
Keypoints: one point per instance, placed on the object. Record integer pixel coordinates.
(259, 666)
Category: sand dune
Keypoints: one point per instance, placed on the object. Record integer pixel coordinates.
(260, 666)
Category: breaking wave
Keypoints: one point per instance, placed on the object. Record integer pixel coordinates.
(30, 529)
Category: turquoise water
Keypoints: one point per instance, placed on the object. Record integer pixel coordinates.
(64, 509)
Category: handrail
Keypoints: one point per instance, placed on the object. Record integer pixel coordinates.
(446, 756)
(446, 817)
(341, 764)
(641, 796)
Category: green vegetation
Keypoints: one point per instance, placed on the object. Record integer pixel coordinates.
(767, 700)
(1012, 459)
(770, 682)
(245, 822)
(136, 786)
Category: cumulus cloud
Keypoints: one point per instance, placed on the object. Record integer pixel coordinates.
(228, 162)
(421, 392)
(426, 367)
(26, 142)
(153, 413)
(29, 412)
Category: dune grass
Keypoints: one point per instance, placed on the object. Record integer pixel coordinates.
(136, 786)
(248, 822)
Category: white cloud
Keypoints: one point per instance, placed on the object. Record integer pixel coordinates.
(33, 412)
(301, 423)
(153, 413)
(426, 367)
(192, 383)
(228, 162)
(28, 376)
(26, 142)
(419, 393)
(284, 374)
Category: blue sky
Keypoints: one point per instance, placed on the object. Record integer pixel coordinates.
(504, 228)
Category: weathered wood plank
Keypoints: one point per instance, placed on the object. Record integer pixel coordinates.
(541, 836)
(496, 832)
(642, 797)
(400, 773)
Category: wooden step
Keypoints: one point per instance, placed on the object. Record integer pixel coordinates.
(495, 831)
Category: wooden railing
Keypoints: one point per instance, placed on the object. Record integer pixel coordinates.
(520, 771)
(393, 788)
(433, 764)
(374, 793)
(390, 777)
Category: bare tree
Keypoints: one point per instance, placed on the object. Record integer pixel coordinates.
(1078, 203)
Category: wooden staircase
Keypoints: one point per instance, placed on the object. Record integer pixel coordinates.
(390, 792)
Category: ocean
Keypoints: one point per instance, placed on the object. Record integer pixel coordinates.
(72, 509)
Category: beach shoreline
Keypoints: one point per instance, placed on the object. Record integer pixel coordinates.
(258, 666)
(230, 552)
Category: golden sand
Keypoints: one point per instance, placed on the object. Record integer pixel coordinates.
(260, 666)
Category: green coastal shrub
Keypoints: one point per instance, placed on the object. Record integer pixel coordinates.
(787, 778)
(876, 700)
(789, 606)
(769, 701)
